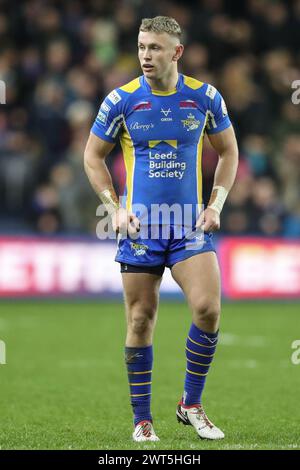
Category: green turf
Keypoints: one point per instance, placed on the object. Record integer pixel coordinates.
(64, 385)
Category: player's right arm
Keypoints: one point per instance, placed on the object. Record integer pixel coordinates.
(95, 167)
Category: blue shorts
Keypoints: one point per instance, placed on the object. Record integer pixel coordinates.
(161, 251)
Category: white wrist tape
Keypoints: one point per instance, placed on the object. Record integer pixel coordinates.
(107, 199)
(217, 198)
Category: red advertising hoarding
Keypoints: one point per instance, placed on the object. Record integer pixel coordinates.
(260, 268)
(251, 268)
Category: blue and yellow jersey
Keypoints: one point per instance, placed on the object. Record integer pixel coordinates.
(161, 135)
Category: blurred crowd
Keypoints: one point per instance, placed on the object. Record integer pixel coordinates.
(59, 59)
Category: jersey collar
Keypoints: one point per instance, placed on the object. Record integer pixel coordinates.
(179, 85)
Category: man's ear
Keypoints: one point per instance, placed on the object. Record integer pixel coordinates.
(179, 51)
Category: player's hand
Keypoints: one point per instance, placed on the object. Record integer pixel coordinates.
(209, 220)
(125, 222)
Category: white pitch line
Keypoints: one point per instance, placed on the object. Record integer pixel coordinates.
(230, 339)
(240, 364)
(80, 363)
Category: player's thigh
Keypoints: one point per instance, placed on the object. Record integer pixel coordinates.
(199, 278)
(141, 293)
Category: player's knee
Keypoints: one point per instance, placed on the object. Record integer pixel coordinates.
(140, 325)
(141, 320)
(207, 310)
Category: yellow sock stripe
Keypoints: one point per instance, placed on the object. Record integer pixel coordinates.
(143, 383)
(140, 373)
(198, 363)
(200, 344)
(140, 395)
(198, 354)
(196, 373)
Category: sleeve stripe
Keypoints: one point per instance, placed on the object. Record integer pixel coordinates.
(117, 129)
(113, 123)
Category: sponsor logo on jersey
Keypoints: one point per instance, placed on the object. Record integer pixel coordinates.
(102, 118)
(136, 126)
(190, 123)
(114, 97)
(165, 164)
(139, 248)
(188, 104)
(142, 106)
(211, 91)
(166, 113)
(103, 113)
(105, 108)
(154, 143)
(224, 108)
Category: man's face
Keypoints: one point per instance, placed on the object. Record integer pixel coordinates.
(156, 53)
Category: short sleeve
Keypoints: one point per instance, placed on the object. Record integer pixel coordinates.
(109, 120)
(217, 115)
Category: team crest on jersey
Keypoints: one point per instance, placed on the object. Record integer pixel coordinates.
(191, 123)
(114, 97)
(139, 248)
(142, 106)
(188, 104)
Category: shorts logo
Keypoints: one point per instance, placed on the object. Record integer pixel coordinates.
(114, 97)
(187, 104)
(142, 106)
(211, 91)
(139, 248)
(191, 123)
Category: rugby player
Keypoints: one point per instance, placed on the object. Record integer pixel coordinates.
(160, 119)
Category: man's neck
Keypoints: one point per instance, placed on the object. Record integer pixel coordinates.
(164, 84)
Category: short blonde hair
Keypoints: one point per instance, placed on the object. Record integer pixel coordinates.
(161, 24)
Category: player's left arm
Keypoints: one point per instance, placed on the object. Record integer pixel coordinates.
(225, 144)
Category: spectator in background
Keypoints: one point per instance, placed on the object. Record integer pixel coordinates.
(45, 212)
(288, 161)
(58, 60)
(237, 217)
(256, 151)
(268, 211)
(19, 167)
(49, 122)
(249, 104)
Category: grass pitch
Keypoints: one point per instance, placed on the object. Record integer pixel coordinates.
(65, 386)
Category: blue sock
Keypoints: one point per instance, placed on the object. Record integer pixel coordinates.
(200, 349)
(139, 367)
